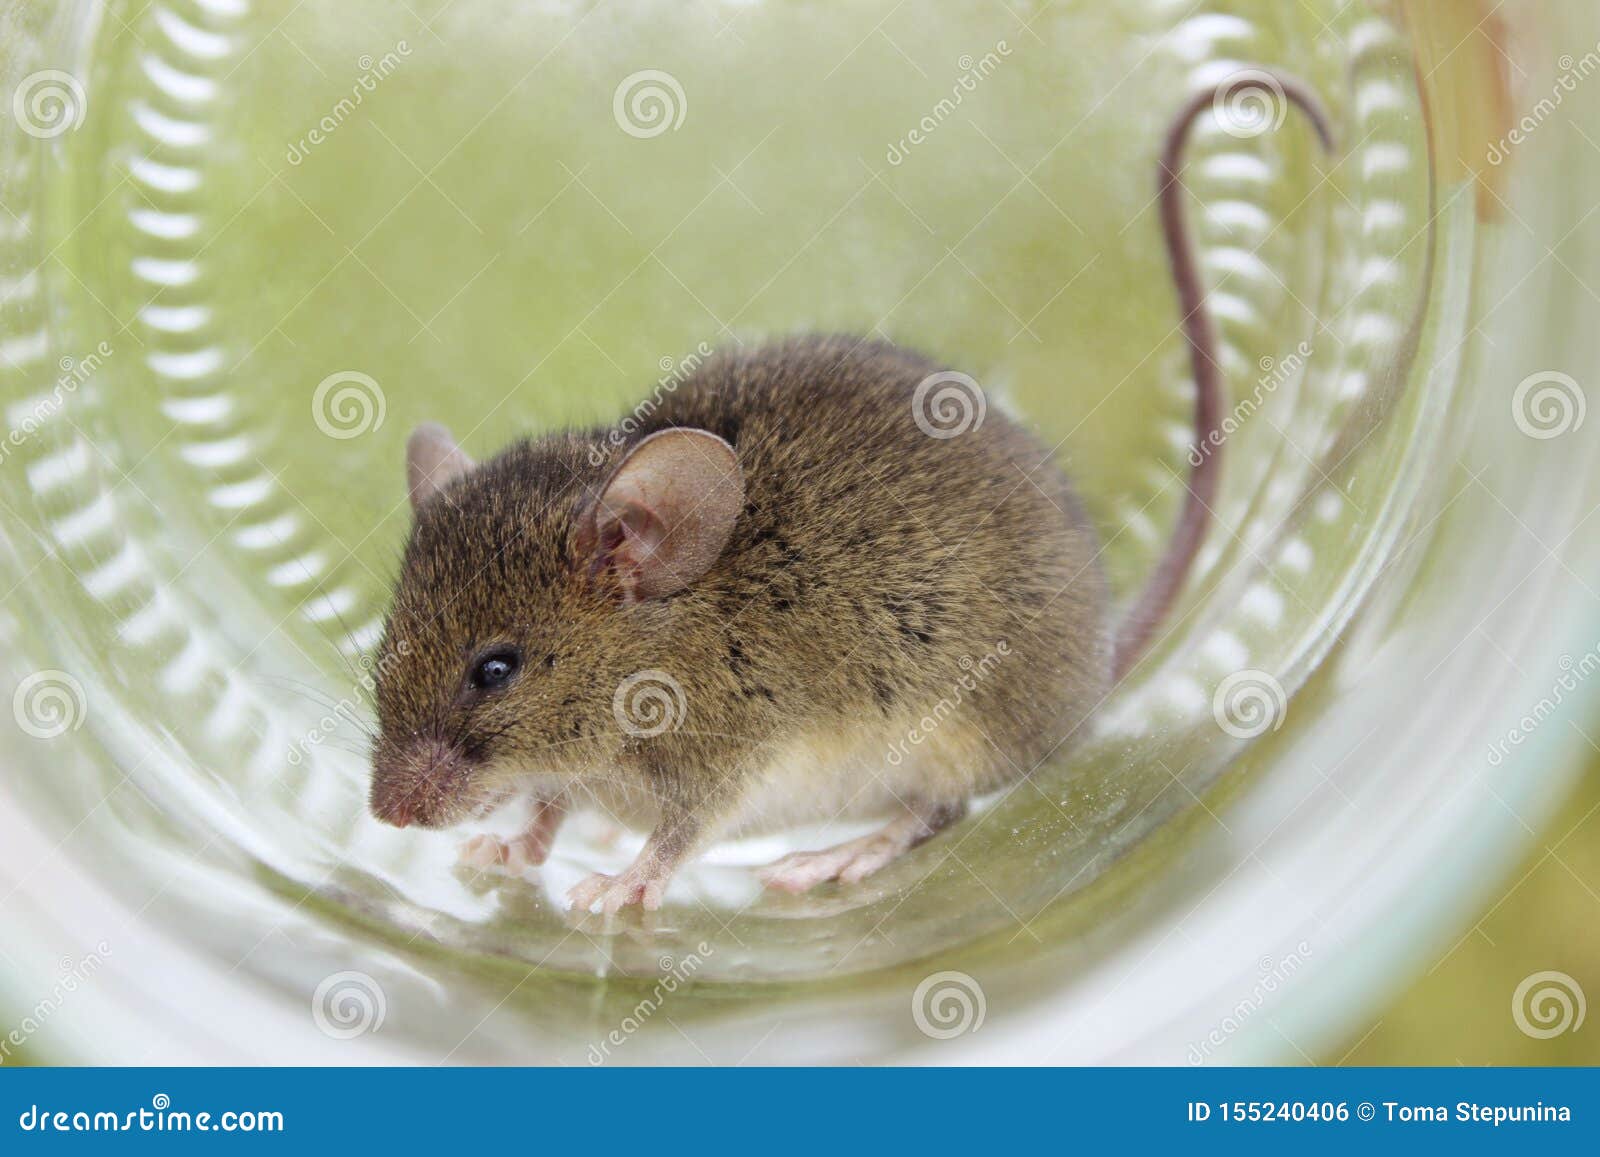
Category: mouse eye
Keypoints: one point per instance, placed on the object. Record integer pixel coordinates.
(496, 668)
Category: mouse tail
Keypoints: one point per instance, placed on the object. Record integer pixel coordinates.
(1201, 332)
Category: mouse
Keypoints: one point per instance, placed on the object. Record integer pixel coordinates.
(817, 578)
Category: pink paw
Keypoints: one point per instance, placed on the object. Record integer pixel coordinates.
(849, 862)
(614, 893)
(514, 856)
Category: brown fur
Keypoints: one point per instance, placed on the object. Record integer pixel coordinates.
(870, 568)
(825, 648)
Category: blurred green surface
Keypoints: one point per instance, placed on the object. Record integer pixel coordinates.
(1544, 916)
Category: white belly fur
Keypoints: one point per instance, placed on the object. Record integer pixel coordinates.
(856, 774)
(865, 774)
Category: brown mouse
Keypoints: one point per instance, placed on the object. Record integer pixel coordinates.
(740, 615)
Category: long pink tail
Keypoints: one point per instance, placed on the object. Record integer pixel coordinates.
(1173, 569)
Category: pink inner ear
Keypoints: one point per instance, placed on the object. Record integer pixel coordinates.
(644, 531)
(620, 540)
(665, 513)
(639, 535)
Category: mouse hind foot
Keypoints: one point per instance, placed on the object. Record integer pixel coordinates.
(857, 859)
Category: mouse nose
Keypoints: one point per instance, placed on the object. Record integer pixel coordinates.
(394, 798)
(397, 809)
(417, 785)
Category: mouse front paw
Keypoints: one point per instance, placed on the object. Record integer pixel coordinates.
(488, 853)
(614, 893)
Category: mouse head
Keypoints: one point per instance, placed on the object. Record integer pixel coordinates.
(531, 587)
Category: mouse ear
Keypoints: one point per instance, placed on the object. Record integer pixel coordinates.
(432, 460)
(665, 513)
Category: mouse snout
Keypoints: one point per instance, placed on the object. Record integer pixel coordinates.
(422, 782)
